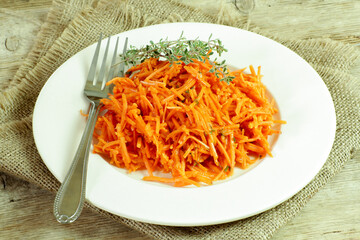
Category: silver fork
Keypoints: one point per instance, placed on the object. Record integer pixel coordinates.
(70, 198)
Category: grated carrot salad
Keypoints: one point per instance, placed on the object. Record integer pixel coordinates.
(180, 119)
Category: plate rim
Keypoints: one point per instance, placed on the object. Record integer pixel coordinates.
(174, 223)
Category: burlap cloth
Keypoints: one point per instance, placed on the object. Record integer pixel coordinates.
(73, 25)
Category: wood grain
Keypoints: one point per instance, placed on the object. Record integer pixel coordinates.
(26, 210)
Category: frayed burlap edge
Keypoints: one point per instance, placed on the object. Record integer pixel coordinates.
(20, 86)
(54, 25)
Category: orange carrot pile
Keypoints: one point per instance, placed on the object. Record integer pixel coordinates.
(180, 119)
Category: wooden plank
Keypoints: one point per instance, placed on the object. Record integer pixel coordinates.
(333, 213)
(26, 212)
(25, 4)
(18, 30)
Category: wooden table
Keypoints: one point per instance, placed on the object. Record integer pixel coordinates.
(26, 210)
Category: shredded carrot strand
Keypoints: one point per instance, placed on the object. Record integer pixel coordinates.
(180, 119)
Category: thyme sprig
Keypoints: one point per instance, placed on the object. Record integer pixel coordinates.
(181, 50)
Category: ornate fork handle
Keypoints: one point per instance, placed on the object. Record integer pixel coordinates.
(70, 198)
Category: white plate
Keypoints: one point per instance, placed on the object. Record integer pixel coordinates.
(300, 152)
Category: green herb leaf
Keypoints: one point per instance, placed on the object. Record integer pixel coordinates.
(184, 50)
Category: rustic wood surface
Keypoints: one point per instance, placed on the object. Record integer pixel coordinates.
(26, 210)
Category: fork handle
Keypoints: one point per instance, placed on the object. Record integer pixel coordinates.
(70, 198)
